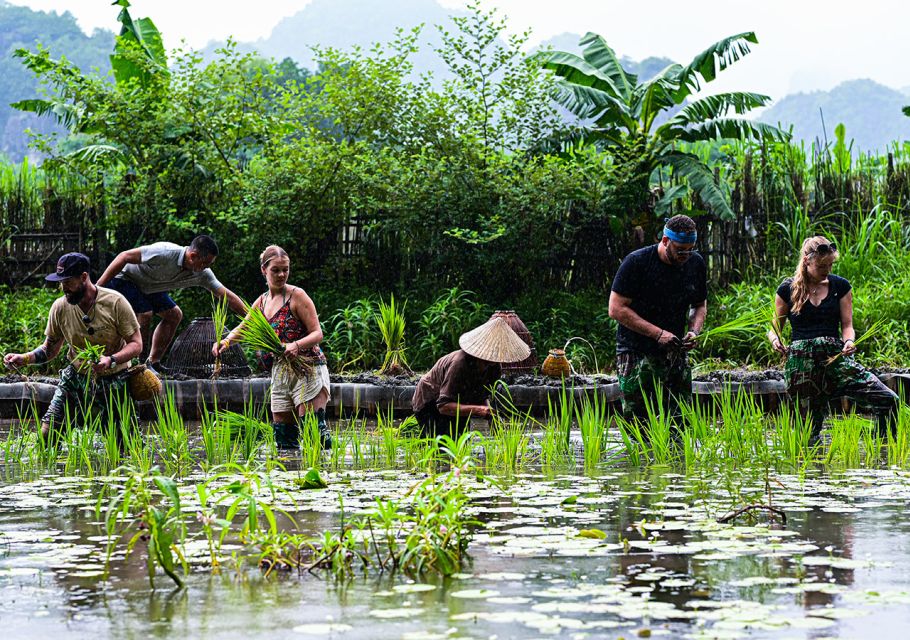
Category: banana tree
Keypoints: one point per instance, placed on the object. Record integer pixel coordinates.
(651, 118)
(138, 62)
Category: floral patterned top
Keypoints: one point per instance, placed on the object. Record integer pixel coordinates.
(288, 328)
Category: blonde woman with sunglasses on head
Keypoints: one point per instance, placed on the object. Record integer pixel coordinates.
(819, 306)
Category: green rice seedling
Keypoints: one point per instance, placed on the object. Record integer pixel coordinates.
(591, 417)
(697, 430)
(243, 432)
(389, 434)
(359, 439)
(208, 430)
(172, 435)
(219, 319)
(509, 440)
(899, 441)
(791, 434)
(634, 440)
(555, 442)
(741, 425)
(661, 428)
(391, 323)
(735, 330)
(310, 442)
(141, 454)
(846, 432)
(872, 442)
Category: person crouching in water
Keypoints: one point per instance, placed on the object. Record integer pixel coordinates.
(86, 315)
(820, 364)
(458, 386)
(292, 314)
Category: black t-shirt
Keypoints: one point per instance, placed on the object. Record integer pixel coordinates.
(817, 321)
(661, 294)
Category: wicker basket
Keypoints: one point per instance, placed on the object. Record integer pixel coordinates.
(191, 354)
(528, 364)
(143, 383)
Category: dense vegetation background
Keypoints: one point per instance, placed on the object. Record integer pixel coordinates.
(460, 194)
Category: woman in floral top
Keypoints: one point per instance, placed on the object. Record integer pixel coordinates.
(292, 314)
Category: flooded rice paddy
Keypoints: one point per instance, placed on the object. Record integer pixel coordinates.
(616, 552)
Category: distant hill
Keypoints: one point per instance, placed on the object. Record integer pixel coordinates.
(871, 113)
(22, 27)
(345, 24)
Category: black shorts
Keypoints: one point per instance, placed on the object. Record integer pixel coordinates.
(141, 302)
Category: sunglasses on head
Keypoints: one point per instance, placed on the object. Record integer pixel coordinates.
(825, 249)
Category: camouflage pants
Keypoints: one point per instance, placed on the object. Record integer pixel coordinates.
(641, 375)
(813, 380)
(82, 392)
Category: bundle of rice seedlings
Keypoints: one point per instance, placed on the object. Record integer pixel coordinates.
(256, 332)
(89, 355)
(391, 325)
(219, 318)
(871, 332)
(735, 330)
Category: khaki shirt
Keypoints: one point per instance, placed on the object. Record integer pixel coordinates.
(112, 318)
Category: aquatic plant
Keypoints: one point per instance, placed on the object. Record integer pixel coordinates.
(136, 511)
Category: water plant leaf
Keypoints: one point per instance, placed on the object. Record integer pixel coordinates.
(594, 534)
(311, 480)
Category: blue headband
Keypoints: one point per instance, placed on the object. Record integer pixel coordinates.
(681, 238)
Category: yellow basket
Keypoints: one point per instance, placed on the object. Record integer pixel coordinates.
(556, 364)
(143, 383)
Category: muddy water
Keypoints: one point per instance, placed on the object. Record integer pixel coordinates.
(838, 568)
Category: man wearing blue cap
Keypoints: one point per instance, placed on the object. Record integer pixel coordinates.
(655, 291)
(85, 315)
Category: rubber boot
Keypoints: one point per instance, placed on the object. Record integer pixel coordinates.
(325, 436)
(286, 435)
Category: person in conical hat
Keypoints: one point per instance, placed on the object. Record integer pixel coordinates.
(458, 385)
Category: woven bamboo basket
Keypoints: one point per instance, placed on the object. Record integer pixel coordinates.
(191, 354)
(528, 364)
(142, 383)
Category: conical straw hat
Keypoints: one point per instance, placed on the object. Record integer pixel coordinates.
(494, 341)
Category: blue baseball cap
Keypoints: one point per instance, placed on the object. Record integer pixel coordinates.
(70, 265)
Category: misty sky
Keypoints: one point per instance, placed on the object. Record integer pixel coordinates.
(804, 44)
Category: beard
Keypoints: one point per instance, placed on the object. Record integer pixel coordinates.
(76, 296)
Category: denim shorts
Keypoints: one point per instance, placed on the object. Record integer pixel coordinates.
(141, 302)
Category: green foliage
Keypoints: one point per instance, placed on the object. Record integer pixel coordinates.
(353, 340)
(23, 318)
(595, 87)
(442, 323)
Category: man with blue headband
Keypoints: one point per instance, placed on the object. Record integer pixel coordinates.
(658, 290)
